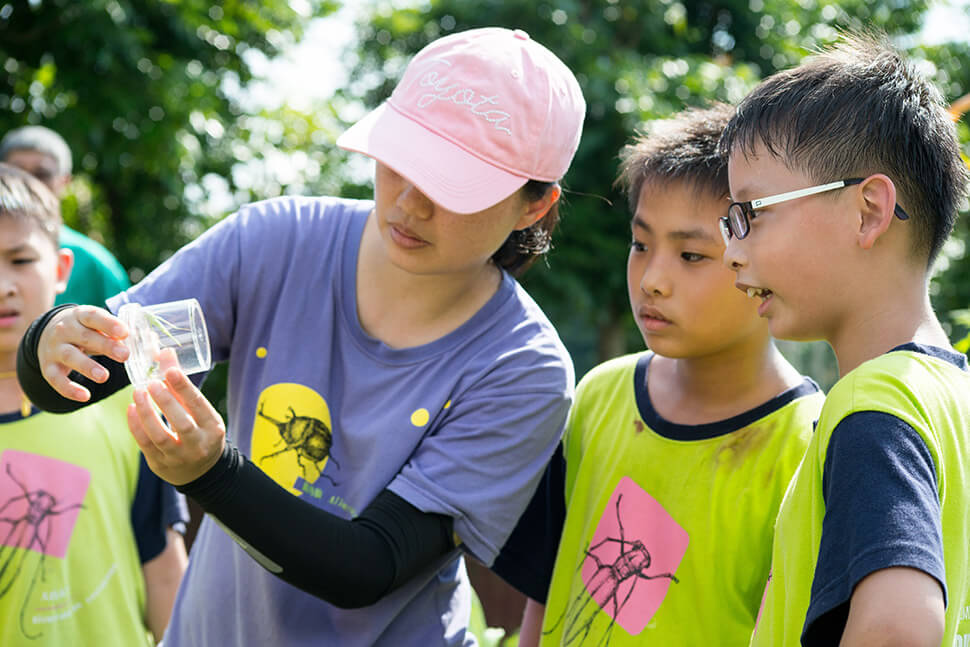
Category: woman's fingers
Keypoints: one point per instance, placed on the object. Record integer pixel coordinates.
(152, 454)
(58, 378)
(69, 339)
(95, 331)
(158, 433)
(188, 441)
(162, 447)
(195, 403)
(103, 321)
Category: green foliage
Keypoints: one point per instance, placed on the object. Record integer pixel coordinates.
(950, 288)
(148, 95)
(141, 91)
(962, 317)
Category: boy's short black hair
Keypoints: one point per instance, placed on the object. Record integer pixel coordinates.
(856, 109)
(682, 148)
(25, 197)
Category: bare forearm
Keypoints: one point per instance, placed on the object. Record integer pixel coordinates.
(163, 574)
(531, 630)
(895, 607)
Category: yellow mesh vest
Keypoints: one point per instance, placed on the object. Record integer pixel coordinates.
(69, 567)
(933, 397)
(666, 542)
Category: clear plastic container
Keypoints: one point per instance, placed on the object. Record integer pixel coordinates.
(178, 325)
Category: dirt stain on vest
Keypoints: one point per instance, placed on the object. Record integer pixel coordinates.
(737, 446)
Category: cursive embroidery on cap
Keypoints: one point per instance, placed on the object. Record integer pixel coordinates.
(444, 89)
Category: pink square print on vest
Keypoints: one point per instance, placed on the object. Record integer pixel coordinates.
(40, 498)
(633, 557)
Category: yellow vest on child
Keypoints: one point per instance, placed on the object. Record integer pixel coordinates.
(933, 397)
(667, 541)
(69, 567)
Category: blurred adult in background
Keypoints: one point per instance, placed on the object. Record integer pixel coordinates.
(43, 153)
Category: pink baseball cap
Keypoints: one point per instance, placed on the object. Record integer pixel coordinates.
(476, 115)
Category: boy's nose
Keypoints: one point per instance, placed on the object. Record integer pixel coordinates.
(733, 257)
(8, 281)
(414, 203)
(655, 281)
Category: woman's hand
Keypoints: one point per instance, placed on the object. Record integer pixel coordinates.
(69, 339)
(193, 439)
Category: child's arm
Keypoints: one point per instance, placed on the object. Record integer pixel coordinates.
(528, 558)
(881, 535)
(531, 629)
(163, 574)
(895, 606)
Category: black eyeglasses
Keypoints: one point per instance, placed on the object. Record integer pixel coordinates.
(737, 223)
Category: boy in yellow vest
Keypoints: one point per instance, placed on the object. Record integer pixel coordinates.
(89, 552)
(676, 458)
(847, 176)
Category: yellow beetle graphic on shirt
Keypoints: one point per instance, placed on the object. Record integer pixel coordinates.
(292, 436)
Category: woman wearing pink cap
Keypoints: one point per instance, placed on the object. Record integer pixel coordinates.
(394, 394)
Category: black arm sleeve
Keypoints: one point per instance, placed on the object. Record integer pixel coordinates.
(349, 563)
(37, 389)
(527, 559)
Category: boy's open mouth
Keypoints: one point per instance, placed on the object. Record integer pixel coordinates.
(758, 292)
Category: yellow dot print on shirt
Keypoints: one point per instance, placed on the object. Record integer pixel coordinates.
(261, 352)
(448, 404)
(420, 417)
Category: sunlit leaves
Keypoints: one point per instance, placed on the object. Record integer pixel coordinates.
(137, 88)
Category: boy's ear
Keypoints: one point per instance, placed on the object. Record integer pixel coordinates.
(65, 263)
(537, 209)
(877, 200)
(60, 184)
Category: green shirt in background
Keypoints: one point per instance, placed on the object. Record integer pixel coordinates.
(96, 275)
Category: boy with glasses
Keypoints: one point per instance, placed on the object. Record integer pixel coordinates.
(871, 539)
(740, 214)
(676, 458)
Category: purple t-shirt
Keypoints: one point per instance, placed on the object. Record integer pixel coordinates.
(462, 426)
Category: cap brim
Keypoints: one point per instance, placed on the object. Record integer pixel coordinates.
(449, 175)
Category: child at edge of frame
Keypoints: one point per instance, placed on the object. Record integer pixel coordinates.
(675, 459)
(847, 178)
(90, 543)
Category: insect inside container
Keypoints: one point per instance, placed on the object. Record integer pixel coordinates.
(177, 326)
